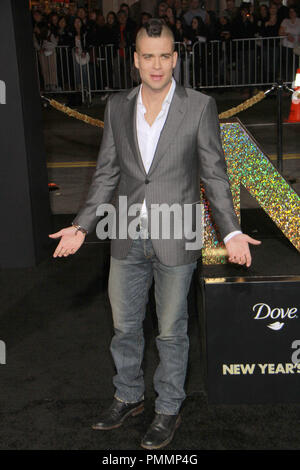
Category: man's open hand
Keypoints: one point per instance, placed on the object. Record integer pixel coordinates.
(70, 241)
(238, 249)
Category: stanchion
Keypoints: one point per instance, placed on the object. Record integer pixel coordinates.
(279, 126)
(279, 87)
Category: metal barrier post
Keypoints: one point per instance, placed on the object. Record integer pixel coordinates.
(279, 126)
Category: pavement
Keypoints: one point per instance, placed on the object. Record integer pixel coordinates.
(72, 146)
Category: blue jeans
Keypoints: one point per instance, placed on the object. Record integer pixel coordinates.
(129, 282)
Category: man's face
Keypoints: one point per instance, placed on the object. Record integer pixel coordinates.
(155, 60)
(230, 4)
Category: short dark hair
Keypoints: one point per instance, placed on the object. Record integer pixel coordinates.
(154, 28)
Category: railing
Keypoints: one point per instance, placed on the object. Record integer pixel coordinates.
(242, 62)
(59, 71)
(214, 64)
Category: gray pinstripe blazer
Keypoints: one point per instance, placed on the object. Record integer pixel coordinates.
(189, 148)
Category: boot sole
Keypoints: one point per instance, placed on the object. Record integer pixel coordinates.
(167, 441)
(134, 412)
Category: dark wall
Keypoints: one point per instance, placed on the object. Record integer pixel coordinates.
(24, 196)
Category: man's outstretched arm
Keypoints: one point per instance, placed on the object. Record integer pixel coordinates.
(213, 173)
(104, 183)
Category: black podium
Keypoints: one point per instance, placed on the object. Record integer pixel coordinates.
(250, 338)
(249, 320)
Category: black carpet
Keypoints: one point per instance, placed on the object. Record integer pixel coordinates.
(56, 322)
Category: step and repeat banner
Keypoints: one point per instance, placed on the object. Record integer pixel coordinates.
(251, 339)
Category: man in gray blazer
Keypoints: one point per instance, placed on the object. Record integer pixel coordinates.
(159, 139)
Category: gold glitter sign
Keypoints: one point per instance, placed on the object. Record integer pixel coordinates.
(249, 166)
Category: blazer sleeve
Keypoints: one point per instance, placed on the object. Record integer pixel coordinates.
(105, 179)
(213, 170)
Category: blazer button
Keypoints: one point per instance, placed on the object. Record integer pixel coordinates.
(147, 181)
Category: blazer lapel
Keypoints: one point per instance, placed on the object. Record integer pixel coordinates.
(130, 124)
(174, 119)
(175, 116)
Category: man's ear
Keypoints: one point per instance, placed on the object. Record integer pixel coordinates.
(175, 57)
(136, 59)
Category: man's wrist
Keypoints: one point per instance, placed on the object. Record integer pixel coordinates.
(231, 234)
(79, 229)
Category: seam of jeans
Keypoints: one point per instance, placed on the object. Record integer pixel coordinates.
(129, 402)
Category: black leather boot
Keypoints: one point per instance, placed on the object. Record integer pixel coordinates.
(116, 414)
(161, 431)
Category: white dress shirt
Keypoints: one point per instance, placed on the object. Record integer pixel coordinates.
(148, 137)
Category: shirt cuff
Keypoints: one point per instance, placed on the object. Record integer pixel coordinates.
(230, 235)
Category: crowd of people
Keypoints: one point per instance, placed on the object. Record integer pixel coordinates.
(79, 29)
